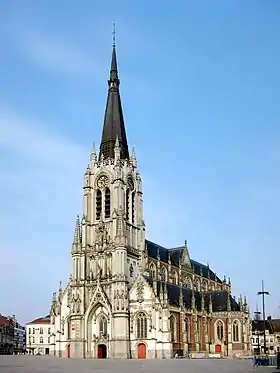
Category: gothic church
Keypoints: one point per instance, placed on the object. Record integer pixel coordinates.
(128, 297)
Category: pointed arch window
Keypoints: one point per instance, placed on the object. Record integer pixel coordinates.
(107, 203)
(172, 328)
(187, 330)
(235, 330)
(164, 275)
(141, 326)
(103, 325)
(132, 207)
(127, 194)
(98, 204)
(220, 330)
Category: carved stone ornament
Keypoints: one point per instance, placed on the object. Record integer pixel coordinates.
(140, 291)
(102, 237)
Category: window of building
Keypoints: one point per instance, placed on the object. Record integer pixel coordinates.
(41, 340)
(33, 331)
(235, 330)
(41, 331)
(187, 331)
(173, 328)
(49, 330)
(49, 340)
(98, 204)
(103, 325)
(164, 274)
(220, 330)
(141, 326)
(33, 339)
(107, 203)
(153, 271)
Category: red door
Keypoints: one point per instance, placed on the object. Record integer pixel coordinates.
(141, 351)
(68, 351)
(99, 352)
(218, 349)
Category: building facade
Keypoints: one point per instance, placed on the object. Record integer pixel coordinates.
(6, 335)
(38, 336)
(128, 297)
(272, 336)
(19, 336)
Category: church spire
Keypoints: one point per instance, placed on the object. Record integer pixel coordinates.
(113, 121)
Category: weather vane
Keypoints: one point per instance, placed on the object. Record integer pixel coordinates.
(114, 34)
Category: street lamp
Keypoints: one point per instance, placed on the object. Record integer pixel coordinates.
(263, 293)
(257, 317)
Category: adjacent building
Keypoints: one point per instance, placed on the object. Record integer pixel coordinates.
(38, 336)
(128, 297)
(6, 335)
(19, 336)
(272, 336)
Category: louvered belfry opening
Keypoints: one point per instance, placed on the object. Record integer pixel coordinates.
(98, 204)
(107, 203)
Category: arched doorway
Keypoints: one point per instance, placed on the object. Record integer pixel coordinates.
(141, 351)
(102, 351)
(68, 351)
(218, 349)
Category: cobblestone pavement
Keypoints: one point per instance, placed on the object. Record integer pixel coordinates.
(42, 364)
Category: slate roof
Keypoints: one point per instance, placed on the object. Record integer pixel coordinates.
(175, 255)
(257, 325)
(219, 298)
(113, 120)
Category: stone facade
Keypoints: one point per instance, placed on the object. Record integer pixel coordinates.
(128, 297)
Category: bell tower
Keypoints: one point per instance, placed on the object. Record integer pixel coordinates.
(111, 233)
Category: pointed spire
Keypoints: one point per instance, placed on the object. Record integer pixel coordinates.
(113, 120)
(155, 286)
(202, 302)
(181, 299)
(133, 158)
(210, 304)
(193, 299)
(93, 157)
(77, 233)
(117, 149)
(228, 303)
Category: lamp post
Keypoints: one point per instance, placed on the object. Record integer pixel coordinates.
(263, 293)
(257, 317)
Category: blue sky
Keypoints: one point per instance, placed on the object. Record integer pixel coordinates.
(200, 87)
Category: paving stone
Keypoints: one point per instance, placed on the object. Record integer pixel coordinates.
(43, 364)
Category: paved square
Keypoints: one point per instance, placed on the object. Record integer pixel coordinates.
(42, 364)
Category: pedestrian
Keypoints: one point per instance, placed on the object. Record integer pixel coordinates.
(278, 360)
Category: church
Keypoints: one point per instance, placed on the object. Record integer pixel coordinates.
(128, 297)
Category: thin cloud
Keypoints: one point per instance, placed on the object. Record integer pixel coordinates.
(52, 53)
(41, 187)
